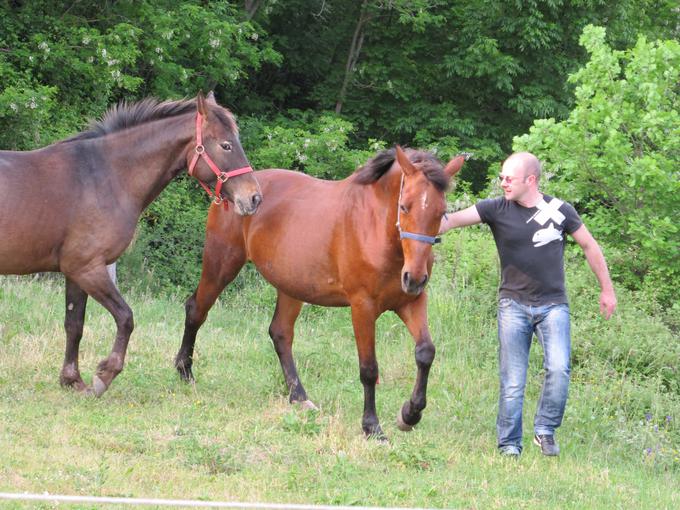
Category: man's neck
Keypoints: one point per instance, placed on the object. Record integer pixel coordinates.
(530, 199)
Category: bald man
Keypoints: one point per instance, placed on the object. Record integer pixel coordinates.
(530, 231)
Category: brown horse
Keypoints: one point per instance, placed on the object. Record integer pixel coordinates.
(364, 242)
(73, 206)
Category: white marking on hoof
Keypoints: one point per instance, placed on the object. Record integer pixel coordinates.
(98, 386)
(401, 424)
(308, 405)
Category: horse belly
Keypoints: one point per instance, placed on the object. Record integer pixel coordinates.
(26, 259)
(304, 282)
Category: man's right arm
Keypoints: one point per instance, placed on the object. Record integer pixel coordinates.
(463, 218)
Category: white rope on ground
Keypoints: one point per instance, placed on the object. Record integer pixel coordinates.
(57, 498)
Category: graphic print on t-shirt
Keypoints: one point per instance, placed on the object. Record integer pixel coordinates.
(546, 235)
(547, 211)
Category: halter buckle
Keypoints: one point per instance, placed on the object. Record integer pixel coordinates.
(200, 149)
(223, 177)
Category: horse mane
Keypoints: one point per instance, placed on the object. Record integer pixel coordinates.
(126, 115)
(378, 165)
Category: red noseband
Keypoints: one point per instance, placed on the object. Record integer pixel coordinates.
(222, 177)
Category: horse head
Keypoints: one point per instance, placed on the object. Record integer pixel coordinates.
(421, 206)
(217, 158)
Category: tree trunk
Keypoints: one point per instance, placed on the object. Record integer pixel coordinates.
(251, 7)
(353, 56)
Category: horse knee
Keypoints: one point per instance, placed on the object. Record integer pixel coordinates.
(74, 329)
(126, 322)
(280, 339)
(194, 318)
(425, 352)
(368, 374)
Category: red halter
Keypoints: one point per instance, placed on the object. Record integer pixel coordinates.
(199, 152)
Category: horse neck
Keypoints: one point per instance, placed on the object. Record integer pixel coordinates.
(381, 200)
(147, 157)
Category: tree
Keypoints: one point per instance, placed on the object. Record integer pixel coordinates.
(62, 62)
(616, 157)
(434, 73)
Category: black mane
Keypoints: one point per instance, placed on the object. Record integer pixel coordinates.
(427, 162)
(125, 115)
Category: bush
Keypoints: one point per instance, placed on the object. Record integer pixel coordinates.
(616, 158)
(168, 249)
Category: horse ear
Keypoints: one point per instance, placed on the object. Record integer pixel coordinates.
(454, 166)
(201, 104)
(210, 98)
(406, 165)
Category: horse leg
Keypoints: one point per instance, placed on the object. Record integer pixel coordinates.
(414, 316)
(97, 283)
(363, 322)
(76, 300)
(220, 267)
(282, 331)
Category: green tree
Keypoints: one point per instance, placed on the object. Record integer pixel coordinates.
(433, 73)
(617, 156)
(62, 62)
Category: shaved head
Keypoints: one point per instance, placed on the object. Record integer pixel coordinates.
(525, 162)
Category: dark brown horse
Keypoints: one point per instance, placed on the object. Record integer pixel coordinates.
(73, 206)
(364, 242)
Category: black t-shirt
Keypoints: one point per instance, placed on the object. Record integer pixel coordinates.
(530, 244)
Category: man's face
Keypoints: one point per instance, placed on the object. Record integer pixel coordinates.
(513, 181)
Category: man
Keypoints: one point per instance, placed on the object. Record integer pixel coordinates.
(530, 232)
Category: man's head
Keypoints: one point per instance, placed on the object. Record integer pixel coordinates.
(519, 176)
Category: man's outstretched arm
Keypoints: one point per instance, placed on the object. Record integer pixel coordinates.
(462, 218)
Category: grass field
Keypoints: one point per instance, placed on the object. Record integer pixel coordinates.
(233, 435)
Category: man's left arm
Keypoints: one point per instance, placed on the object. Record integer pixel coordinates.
(598, 265)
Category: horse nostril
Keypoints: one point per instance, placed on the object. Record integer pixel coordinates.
(257, 200)
(406, 277)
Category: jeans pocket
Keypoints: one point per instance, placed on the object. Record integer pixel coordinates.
(504, 302)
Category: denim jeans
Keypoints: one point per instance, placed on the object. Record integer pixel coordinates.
(517, 324)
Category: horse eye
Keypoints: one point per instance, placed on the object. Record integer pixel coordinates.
(403, 208)
(226, 146)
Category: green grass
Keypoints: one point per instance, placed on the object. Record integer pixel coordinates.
(233, 435)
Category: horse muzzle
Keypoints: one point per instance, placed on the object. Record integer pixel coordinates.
(412, 284)
(248, 205)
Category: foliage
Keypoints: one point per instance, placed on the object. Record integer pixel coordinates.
(448, 76)
(167, 251)
(616, 157)
(303, 141)
(63, 62)
(472, 73)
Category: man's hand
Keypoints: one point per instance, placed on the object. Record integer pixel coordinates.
(607, 303)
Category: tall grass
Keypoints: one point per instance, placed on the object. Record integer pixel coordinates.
(233, 435)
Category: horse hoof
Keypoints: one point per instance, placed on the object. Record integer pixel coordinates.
(401, 424)
(308, 405)
(377, 435)
(98, 386)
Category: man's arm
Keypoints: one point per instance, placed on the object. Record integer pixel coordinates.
(598, 265)
(462, 218)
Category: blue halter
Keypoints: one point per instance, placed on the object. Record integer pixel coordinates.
(419, 237)
(410, 235)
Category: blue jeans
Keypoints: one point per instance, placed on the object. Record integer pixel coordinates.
(517, 324)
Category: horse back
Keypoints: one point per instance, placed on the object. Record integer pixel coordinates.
(317, 241)
(47, 207)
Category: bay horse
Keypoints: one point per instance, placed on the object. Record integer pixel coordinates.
(363, 242)
(72, 207)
